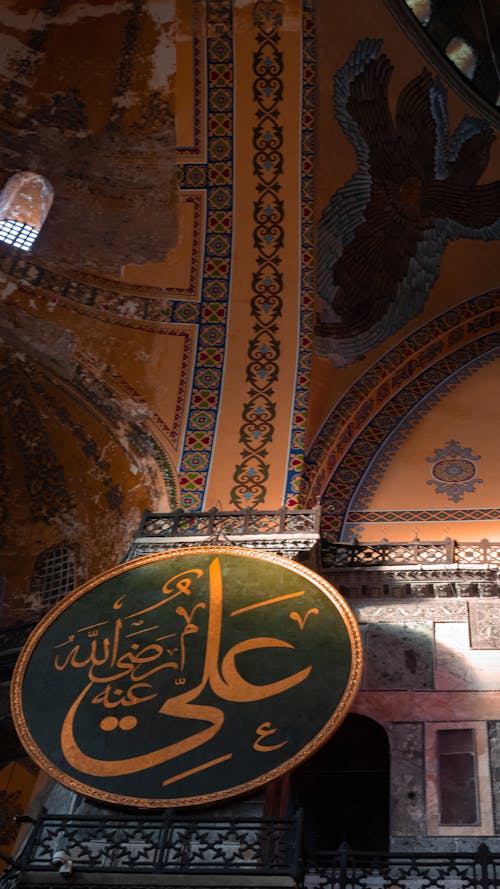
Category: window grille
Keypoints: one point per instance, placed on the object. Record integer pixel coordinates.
(54, 574)
(25, 201)
(17, 234)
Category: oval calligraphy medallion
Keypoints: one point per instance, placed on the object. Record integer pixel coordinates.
(186, 677)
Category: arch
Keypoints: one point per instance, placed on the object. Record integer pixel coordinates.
(375, 471)
(386, 393)
(462, 55)
(344, 788)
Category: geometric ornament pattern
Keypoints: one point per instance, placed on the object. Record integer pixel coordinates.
(454, 470)
(307, 263)
(423, 515)
(216, 176)
(266, 304)
(367, 445)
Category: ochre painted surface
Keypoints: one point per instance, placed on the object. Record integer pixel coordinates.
(466, 414)
(246, 259)
(467, 268)
(169, 367)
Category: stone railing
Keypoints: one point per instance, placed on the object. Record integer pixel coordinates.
(285, 530)
(416, 552)
(279, 530)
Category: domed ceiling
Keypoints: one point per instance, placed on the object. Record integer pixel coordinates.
(463, 38)
(86, 95)
(408, 262)
(274, 235)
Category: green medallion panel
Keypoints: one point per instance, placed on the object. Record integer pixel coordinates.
(186, 677)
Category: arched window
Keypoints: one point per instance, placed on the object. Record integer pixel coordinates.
(54, 574)
(422, 9)
(462, 55)
(25, 201)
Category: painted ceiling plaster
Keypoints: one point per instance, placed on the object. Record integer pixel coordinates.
(86, 101)
(453, 480)
(161, 335)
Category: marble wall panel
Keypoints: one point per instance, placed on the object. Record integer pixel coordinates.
(458, 666)
(399, 656)
(494, 749)
(484, 624)
(484, 826)
(401, 612)
(407, 778)
(446, 844)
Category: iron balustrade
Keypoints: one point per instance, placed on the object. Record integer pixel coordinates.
(193, 845)
(164, 844)
(346, 869)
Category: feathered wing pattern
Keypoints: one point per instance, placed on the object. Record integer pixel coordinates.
(362, 54)
(382, 235)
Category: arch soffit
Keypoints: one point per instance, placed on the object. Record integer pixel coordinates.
(107, 400)
(388, 391)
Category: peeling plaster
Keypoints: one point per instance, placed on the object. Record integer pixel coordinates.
(40, 339)
(108, 150)
(115, 194)
(162, 13)
(13, 52)
(81, 11)
(7, 287)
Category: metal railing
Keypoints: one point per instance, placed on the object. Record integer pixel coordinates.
(209, 845)
(195, 845)
(345, 869)
(163, 844)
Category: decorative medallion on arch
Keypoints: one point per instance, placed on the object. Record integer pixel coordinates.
(419, 368)
(454, 470)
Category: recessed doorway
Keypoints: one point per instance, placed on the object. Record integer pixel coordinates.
(344, 788)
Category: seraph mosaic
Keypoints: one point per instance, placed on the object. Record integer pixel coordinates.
(382, 235)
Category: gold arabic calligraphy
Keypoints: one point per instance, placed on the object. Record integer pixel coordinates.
(107, 670)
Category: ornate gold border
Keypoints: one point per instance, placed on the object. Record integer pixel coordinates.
(333, 723)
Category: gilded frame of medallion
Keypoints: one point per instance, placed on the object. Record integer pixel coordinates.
(332, 724)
